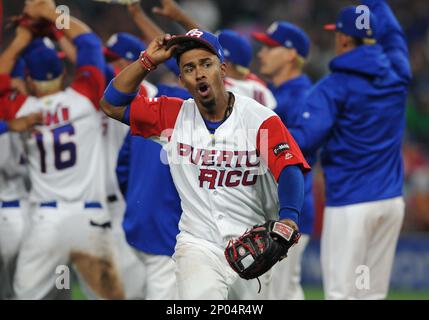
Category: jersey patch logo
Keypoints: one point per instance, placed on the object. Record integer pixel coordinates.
(280, 148)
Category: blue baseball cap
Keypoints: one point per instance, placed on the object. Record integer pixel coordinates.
(124, 45)
(18, 69)
(236, 48)
(42, 61)
(205, 38)
(282, 33)
(349, 22)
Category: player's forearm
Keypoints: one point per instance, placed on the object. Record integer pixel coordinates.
(121, 92)
(9, 57)
(68, 48)
(387, 24)
(291, 193)
(148, 28)
(186, 21)
(72, 31)
(129, 79)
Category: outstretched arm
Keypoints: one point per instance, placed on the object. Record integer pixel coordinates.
(391, 37)
(148, 28)
(9, 57)
(123, 89)
(46, 9)
(171, 10)
(21, 124)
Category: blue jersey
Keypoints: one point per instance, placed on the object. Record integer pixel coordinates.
(290, 97)
(152, 203)
(357, 114)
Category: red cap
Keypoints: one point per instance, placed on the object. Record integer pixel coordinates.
(264, 38)
(330, 27)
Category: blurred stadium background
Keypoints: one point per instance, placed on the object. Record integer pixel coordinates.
(410, 278)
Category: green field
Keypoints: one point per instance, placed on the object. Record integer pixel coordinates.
(315, 294)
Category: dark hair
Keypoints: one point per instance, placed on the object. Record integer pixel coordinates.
(186, 46)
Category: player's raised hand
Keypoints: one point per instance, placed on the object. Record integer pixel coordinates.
(39, 8)
(23, 35)
(25, 123)
(134, 9)
(169, 9)
(157, 50)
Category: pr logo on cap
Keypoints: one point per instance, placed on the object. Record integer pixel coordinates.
(195, 33)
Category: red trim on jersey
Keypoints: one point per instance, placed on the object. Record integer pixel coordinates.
(10, 100)
(143, 91)
(151, 116)
(228, 83)
(90, 82)
(273, 134)
(4, 82)
(254, 77)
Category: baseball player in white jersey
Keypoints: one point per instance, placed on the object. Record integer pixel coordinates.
(237, 50)
(68, 221)
(13, 209)
(13, 204)
(13, 194)
(227, 153)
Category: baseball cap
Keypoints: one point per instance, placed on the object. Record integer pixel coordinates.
(124, 45)
(205, 38)
(347, 23)
(282, 33)
(236, 48)
(42, 61)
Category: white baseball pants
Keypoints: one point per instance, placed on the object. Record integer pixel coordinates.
(203, 273)
(13, 221)
(358, 247)
(286, 274)
(67, 232)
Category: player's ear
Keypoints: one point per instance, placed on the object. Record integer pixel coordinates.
(223, 68)
(181, 80)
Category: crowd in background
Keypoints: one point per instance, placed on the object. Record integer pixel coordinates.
(246, 16)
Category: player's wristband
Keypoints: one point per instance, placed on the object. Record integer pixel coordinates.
(3, 127)
(146, 62)
(117, 98)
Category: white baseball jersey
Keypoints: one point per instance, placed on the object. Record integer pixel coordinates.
(12, 170)
(252, 89)
(226, 180)
(65, 153)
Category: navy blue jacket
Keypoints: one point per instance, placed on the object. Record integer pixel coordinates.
(357, 113)
(290, 97)
(153, 208)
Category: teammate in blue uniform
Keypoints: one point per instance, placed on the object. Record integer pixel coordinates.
(357, 114)
(282, 58)
(152, 208)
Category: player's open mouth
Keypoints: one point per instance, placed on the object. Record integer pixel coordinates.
(203, 89)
